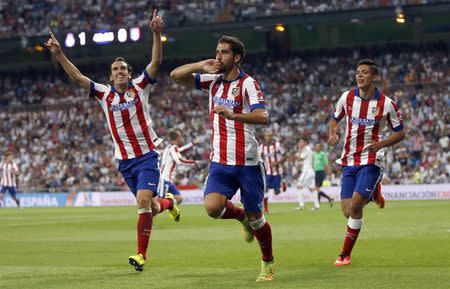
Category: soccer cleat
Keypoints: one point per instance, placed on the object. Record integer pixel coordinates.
(299, 208)
(378, 197)
(267, 271)
(247, 231)
(175, 211)
(137, 261)
(342, 261)
(331, 202)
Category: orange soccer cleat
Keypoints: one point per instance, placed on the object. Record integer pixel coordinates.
(342, 261)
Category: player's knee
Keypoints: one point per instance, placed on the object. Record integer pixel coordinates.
(346, 213)
(144, 198)
(214, 210)
(155, 207)
(179, 199)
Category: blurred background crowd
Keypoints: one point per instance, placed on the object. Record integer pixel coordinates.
(23, 18)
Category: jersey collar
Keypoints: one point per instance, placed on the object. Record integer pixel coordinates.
(113, 89)
(376, 96)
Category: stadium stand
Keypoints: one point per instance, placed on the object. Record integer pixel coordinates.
(25, 18)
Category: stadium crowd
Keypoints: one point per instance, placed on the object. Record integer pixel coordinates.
(61, 142)
(25, 18)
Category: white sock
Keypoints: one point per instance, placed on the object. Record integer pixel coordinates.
(316, 199)
(301, 202)
(354, 224)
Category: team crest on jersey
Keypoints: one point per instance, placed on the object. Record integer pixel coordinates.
(235, 91)
(130, 95)
(375, 110)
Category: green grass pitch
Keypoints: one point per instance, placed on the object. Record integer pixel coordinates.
(405, 245)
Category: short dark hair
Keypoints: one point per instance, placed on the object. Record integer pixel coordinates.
(373, 65)
(173, 134)
(237, 47)
(120, 58)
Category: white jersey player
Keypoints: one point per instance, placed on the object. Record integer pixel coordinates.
(306, 181)
(171, 157)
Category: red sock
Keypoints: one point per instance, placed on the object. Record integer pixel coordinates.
(233, 212)
(144, 228)
(349, 241)
(264, 237)
(266, 204)
(164, 204)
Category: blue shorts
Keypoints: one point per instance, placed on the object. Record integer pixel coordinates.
(273, 182)
(319, 178)
(168, 187)
(226, 180)
(361, 179)
(141, 173)
(11, 190)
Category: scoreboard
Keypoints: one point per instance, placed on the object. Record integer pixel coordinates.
(102, 37)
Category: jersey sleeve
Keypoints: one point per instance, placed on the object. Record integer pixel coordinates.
(186, 147)
(253, 94)
(339, 110)
(203, 81)
(143, 82)
(394, 117)
(98, 90)
(178, 158)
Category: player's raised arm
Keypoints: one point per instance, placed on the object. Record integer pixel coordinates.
(75, 75)
(156, 25)
(185, 74)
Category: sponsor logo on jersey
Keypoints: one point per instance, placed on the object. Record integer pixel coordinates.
(226, 102)
(124, 105)
(364, 121)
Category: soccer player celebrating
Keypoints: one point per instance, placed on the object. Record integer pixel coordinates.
(365, 109)
(236, 105)
(125, 104)
(9, 172)
(272, 152)
(171, 157)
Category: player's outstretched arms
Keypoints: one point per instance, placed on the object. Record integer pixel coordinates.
(185, 74)
(333, 137)
(75, 75)
(257, 116)
(156, 25)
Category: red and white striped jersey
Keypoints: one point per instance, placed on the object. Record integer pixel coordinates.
(233, 142)
(365, 119)
(8, 170)
(128, 116)
(271, 154)
(172, 157)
